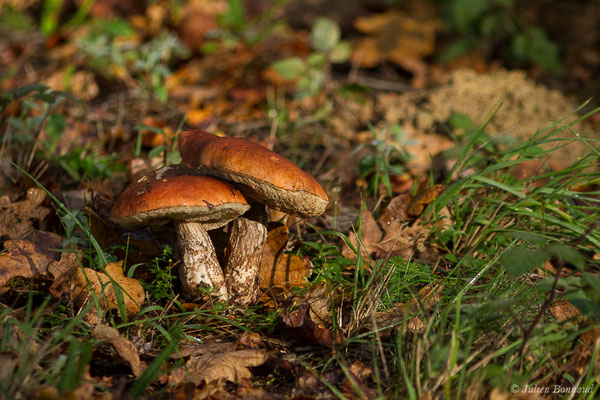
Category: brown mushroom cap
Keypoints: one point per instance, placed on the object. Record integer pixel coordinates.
(175, 193)
(263, 174)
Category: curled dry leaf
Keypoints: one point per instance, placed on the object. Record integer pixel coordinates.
(299, 326)
(231, 366)
(394, 217)
(251, 340)
(28, 257)
(77, 286)
(17, 218)
(278, 269)
(124, 348)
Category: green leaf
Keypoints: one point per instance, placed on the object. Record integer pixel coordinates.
(341, 52)
(531, 238)
(55, 126)
(464, 13)
(584, 304)
(289, 68)
(461, 121)
(534, 45)
(568, 254)
(456, 49)
(50, 16)
(235, 16)
(316, 60)
(325, 34)
(519, 260)
(24, 90)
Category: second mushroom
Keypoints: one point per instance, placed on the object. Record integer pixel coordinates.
(265, 178)
(194, 204)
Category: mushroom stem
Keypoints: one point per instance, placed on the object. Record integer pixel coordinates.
(199, 265)
(244, 252)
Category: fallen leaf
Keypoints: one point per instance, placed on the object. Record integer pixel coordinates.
(124, 348)
(8, 363)
(299, 326)
(398, 37)
(80, 83)
(564, 310)
(360, 370)
(67, 261)
(251, 340)
(161, 134)
(28, 257)
(395, 214)
(198, 19)
(17, 218)
(278, 269)
(369, 238)
(425, 196)
(78, 284)
(231, 366)
(189, 348)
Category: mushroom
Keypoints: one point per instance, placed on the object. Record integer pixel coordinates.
(264, 177)
(195, 204)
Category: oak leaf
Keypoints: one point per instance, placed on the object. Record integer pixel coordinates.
(79, 285)
(278, 269)
(17, 218)
(124, 348)
(231, 366)
(28, 257)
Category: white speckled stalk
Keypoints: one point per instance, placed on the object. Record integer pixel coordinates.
(199, 265)
(244, 252)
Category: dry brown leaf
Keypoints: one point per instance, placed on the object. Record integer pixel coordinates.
(8, 362)
(81, 83)
(124, 348)
(189, 348)
(278, 269)
(231, 366)
(425, 196)
(370, 237)
(28, 257)
(299, 326)
(564, 310)
(360, 370)
(151, 138)
(398, 37)
(250, 340)
(16, 218)
(395, 214)
(76, 283)
(319, 298)
(66, 262)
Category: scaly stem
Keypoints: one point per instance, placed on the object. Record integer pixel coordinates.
(199, 265)
(244, 253)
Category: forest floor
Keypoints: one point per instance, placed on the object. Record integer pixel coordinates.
(459, 255)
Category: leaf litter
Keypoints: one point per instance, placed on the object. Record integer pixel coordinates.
(225, 90)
